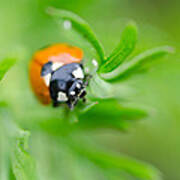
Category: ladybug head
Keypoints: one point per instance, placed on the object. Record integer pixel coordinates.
(76, 92)
(66, 84)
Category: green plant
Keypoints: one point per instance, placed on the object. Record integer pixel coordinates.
(104, 109)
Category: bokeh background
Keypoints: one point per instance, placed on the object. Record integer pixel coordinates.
(25, 27)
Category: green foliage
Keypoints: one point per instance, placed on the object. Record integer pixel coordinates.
(16, 141)
(104, 110)
(80, 26)
(113, 161)
(135, 63)
(5, 65)
(100, 89)
(110, 114)
(23, 165)
(121, 52)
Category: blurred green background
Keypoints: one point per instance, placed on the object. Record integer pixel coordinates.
(25, 27)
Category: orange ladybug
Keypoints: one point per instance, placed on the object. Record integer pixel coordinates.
(57, 75)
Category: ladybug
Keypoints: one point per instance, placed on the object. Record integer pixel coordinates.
(57, 75)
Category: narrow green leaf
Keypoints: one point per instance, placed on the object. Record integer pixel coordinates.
(5, 65)
(22, 164)
(133, 167)
(121, 52)
(81, 26)
(133, 64)
(110, 114)
(105, 160)
(88, 106)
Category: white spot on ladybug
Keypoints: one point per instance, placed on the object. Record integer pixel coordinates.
(56, 66)
(78, 85)
(72, 93)
(47, 79)
(62, 97)
(94, 62)
(78, 73)
(67, 24)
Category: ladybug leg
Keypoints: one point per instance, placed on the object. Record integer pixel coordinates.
(70, 105)
(55, 104)
(82, 96)
(87, 79)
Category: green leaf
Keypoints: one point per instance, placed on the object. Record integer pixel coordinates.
(100, 89)
(5, 65)
(88, 106)
(133, 167)
(134, 64)
(81, 26)
(110, 114)
(107, 161)
(23, 165)
(122, 51)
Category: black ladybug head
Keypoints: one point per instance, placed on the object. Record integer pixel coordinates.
(75, 92)
(66, 84)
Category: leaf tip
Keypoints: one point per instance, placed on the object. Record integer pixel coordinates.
(170, 49)
(50, 10)
(132, 26)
